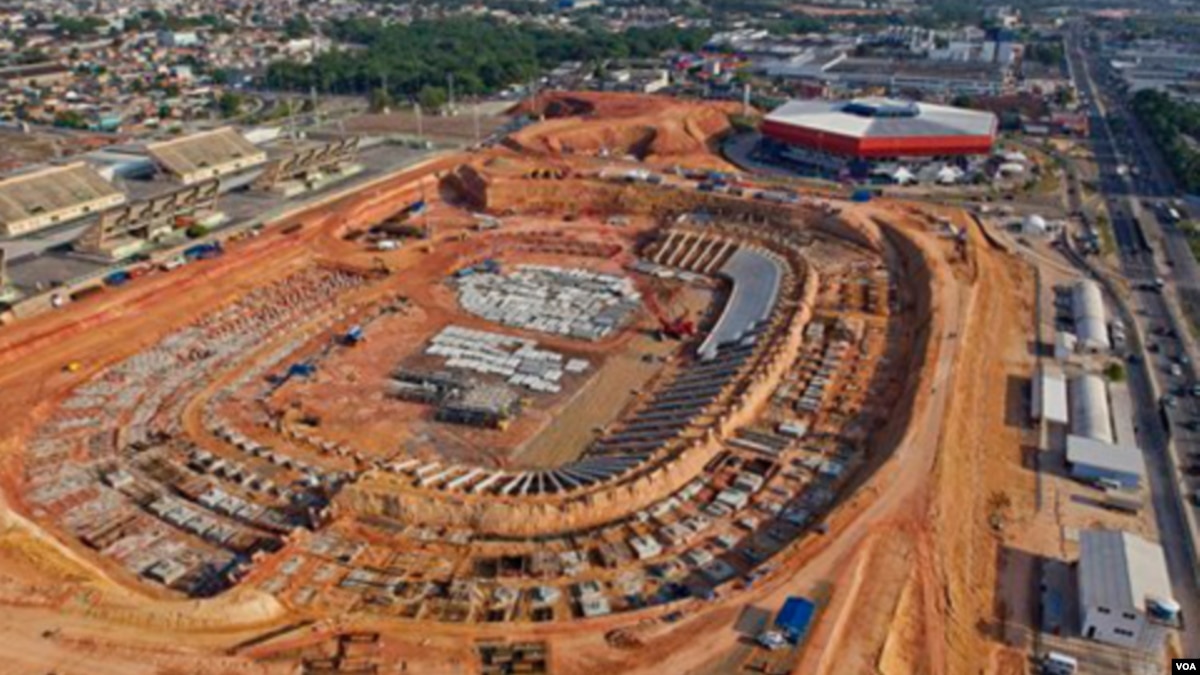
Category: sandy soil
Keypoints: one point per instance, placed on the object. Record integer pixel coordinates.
(908, 571)
(662, 131)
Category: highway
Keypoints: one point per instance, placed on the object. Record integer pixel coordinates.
(1129, 173)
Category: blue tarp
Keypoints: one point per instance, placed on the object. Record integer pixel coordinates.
(795, 618)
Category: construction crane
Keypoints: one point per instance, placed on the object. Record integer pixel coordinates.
(671, 325)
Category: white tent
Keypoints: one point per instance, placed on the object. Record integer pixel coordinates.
(949, 175)
(1034, 224)
(903, 176)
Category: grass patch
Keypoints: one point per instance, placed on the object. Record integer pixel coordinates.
(1108, 240)
(1115, 372)
(1192, 232)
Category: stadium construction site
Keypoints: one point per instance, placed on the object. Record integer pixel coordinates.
(571, 417)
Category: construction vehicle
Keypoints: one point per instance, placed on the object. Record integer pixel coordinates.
(488, 266)
(679, 328)
(671, 325)
(73, 367)
(353, 336)
(300, 369)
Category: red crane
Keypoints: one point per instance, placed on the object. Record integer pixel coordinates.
(678, 328)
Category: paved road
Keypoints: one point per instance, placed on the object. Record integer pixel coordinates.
(41, 260)
(1155, 328)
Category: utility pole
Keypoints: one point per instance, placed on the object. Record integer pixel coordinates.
(292, 122)
(420, 126)
(450, 88)
(478, 138)
(746, 100)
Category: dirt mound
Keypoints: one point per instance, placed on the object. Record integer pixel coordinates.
(654, 129)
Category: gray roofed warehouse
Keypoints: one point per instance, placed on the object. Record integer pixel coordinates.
(1090, 416)
(208, 154)
(1091, 323)
(57, 194)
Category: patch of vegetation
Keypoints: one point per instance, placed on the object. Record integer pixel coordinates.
(481, 55)
(1115, 372)
(1174, 126)
(1192, 231)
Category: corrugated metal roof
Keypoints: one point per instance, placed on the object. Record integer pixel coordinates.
(1121, 570)
(1052, 390)
(1106, 456)
(204, 150)
(1089, 408)
(49, 190)
(929, 119)
(1091, 324)
(756, 277)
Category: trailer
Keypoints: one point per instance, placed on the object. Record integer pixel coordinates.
(795, 618)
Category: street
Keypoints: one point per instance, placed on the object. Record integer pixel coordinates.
(1164, 405)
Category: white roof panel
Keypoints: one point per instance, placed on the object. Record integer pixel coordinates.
(1120, 570)
(881, 117)
(1117, 458)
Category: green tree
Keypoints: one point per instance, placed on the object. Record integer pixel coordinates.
(431, 98)
(381, 100)
(230, 104)
(297, 26)
(482, 55)
(69, 119)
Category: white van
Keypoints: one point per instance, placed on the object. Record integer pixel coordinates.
(1057, 663)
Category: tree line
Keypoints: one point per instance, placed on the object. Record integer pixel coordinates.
(478, 55)
(1175, 128)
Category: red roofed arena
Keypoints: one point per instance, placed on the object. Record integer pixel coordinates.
(877, 128)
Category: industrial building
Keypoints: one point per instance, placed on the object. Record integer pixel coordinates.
(1091, 461)
(53, 195)
(1091, 324)
(208, 154)
(1124, 590)
(881, 128)
(1049, 400)
(1090, 414)
(488, 405)
(458, 399)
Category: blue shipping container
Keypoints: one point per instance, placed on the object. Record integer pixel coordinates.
(795, 618)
